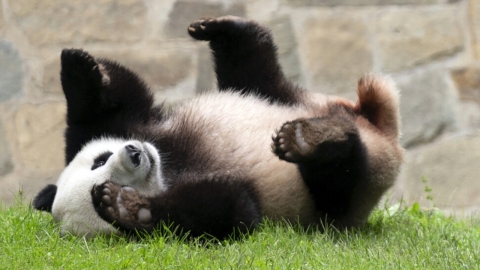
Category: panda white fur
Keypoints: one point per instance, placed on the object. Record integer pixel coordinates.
(209, 164)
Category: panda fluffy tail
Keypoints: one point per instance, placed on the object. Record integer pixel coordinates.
(378, 102)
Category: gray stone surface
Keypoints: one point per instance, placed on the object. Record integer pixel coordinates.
(361, 2)
(39, 131)
(451, 169)
(77, 21)
(286, 41)
(408, 38)
(335, 51)
(185, 12)
(428, 105)
(6, 163)
(11, 75)
(206, 79)
(164, 68)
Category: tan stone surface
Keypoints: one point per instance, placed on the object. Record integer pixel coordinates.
(408, 38)
(77, 21)
(467, 81)
(361, 2)
(336, 51)
(51, 77)
(451, 168)
(185, 12)
(39, 130)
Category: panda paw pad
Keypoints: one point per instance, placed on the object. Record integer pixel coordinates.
(120, 205)
(289, 143)
(198, 29)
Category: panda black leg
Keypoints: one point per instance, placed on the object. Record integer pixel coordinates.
(103, 99)
(330, 157)
(245, 58)
(218, 208)
(82, 79)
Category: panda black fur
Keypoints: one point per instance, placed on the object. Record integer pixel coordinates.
(214, 168)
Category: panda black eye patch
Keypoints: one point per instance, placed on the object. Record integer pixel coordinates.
(101, 160)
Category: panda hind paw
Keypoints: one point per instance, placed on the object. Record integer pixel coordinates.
(289, 143)
(121, 206)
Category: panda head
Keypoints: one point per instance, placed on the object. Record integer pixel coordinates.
(130, 163)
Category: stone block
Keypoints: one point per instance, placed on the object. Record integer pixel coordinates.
(467, 81)
(11, 65)
(286, 41)
(297, 3)
(51, 77)
(408, 38)
(6, 163)
(80, 21)
(428, 105)
(451, 170)
(185, 12)
(160, 68)
(39, 131)
(336, 51)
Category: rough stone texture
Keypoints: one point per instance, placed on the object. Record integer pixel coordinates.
(51, 77)
(335, 51)
(409, 38)
(361, 2)
(185, 12)
(6, 163)
(285, 39)
(78, 21)
(206, 74)
(11, 75)
(427, 105)
(475, 27)
(39, 130)
(467, 81)
(323, 45)
(162, 69)
(450, 168)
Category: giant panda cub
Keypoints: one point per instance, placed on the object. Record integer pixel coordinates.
(218, 163)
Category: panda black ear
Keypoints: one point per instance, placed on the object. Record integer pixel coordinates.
(44, 199)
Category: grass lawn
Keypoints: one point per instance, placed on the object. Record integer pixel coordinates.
(410, 238)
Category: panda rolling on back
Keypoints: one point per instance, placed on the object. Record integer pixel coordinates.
(209, 164)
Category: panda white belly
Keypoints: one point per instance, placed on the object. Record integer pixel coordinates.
(238, 132)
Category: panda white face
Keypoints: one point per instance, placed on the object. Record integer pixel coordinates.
(131, 163)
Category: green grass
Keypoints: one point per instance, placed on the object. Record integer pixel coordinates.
(408, 239)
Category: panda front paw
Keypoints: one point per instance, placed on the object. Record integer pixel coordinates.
(208, 28)
(124, 207)
(79, 67)
(289, 144)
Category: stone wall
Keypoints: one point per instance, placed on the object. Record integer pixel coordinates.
(430, 47)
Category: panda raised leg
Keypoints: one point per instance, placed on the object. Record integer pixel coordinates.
(218, 208)
(103, 98)
(330, 157)
(245, 58)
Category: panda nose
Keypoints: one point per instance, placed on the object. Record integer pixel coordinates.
(133, 154)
